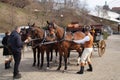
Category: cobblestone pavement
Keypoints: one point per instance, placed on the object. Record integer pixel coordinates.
(106, 67)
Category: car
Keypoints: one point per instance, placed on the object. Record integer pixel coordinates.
(2, 35)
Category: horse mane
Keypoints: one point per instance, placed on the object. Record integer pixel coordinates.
(59, 30)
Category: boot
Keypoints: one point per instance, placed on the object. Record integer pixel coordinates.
(17, 76)
(90, 68)
(81, 70)
(7, 64)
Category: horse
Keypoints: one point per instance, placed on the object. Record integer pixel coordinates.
(39, 37)
(65, 42)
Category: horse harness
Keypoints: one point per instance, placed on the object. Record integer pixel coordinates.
(43, 41)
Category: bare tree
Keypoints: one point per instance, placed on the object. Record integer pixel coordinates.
(46, 10)
(101, 12)
(84, 11)
(98, 10)
(17, 3)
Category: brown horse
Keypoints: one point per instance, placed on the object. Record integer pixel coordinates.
(65, 42)
(39, 38)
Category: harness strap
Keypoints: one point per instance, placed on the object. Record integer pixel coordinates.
(63, 38)
(72, 36)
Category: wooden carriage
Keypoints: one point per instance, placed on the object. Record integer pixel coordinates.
(97, 32)
(99, 41)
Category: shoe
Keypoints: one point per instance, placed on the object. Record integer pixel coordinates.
(7, 65)
(81, 70)
(90, 68)
(17, 76)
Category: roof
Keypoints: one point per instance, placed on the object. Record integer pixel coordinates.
(112, 16)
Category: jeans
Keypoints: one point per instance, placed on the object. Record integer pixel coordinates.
(17, 59)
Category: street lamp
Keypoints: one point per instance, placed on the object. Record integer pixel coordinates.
(61, 16)
(118, 28)
(101, 21)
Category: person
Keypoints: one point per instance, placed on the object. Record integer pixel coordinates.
(16, 46)
(88, 43)
(6, 52)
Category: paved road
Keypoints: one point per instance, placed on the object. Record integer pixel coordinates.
(106, 67)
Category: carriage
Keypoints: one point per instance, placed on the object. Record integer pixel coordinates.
(98, 34)
(99, 41)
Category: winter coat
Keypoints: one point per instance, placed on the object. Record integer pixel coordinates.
(6, 50)
(16, 42)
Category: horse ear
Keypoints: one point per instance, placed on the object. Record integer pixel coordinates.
(33, 25)
(48, 22)
(28, 24)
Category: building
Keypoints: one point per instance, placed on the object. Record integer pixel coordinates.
(106, 7)
(116, 9)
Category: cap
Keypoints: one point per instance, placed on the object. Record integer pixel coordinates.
(87, 28)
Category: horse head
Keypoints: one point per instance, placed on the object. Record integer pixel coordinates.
(24, 33)
(35, 32)
(57, 30)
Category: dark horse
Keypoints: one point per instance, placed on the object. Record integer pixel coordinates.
(39, 38)
(65, 42)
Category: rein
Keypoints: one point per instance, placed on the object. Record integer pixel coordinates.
(43, 40)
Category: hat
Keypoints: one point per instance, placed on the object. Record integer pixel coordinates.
(87, 28)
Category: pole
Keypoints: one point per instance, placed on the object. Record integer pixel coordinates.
(118, 28)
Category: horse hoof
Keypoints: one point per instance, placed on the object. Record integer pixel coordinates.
(37, 65)
(40, 68)
(55, 61)
(50, 60)
(64, 71)
(58, 69)
(33, 65)
(47, 68)
(68, 62)
(77, 64)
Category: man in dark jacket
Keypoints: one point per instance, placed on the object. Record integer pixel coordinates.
(16, 46)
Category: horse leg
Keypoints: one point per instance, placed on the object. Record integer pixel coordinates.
(65, 61)
(34, 55)
(68, 56)
(79, 56)
(38, 56)
(60, 60)
(56, 55)
(65, 58)
(78, 60)
(47, 53)
(42, 59)
(51, 51)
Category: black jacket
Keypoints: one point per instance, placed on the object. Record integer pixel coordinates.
(6, 50)
(16, 42)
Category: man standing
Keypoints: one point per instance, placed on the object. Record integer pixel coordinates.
(88, 47)
(16, 46)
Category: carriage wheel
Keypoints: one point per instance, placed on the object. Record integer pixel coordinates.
(101, 47)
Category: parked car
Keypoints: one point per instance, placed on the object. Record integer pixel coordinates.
(1, 38)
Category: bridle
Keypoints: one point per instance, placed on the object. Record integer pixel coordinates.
(42, 40)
